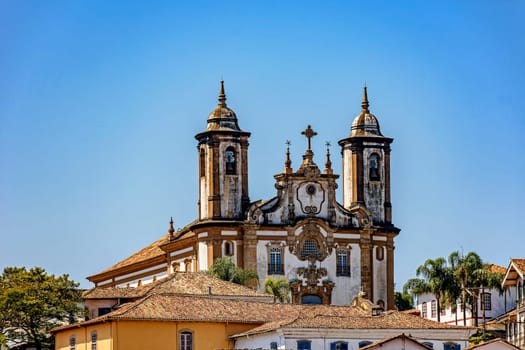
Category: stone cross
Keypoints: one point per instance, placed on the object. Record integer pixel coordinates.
(309, 133)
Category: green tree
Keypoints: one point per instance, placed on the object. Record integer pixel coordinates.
(403, 301)
(225, 269)
(32, 302)
(279, 288)
(486, 278)
(463, 267)
(437, 278)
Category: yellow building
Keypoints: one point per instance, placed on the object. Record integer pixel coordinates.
(168, 317)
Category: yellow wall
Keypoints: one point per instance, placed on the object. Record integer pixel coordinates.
(151, 335)
(83, 337)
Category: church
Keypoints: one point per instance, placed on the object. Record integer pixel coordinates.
(330, 252)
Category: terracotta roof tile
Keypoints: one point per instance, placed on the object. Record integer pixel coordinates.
(497, 269)
(520, 264)
(503, 343)
(181, 283)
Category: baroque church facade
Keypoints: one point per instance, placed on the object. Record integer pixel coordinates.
(329, 251)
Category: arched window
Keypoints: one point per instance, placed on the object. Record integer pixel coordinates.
(186, 340)
(304, 345)
(364, 343)
(339, 345)
(72, 342)
(424, 310)
(94, 340)
(380, 253)
(228, 248)
(275, 261)
(229, 159)
(310, 249)
(381, 303)
(343, 262)
(373, 168)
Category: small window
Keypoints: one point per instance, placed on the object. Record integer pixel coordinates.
(273, 345)
(424, 310)
(428, 345)
(381, 303)
(103, 310)
(229, 158)
(304, 345)
(373, 168)
(202, 162)
(94, 340)
(433, 309)
(310, 249)
(486, 302)
(364, 343)
(72, 342)
(186, 340)
(311, 299)
(340, 345)
(451, 346)
(343, 262)
(275, 261)
(228, 248)
(443, 311)
(380, 253)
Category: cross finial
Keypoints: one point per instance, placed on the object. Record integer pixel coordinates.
(365, 104)
(309, 133)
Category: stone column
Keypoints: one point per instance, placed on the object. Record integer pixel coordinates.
(390, 303)
(367, 268)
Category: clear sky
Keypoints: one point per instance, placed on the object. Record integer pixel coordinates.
(100, 102)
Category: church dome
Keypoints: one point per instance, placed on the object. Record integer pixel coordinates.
(365, 124)
(222, 117)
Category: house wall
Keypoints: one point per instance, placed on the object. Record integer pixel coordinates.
(83, 337)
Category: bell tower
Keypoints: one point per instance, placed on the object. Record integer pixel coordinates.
(366, 166)
(223, 165)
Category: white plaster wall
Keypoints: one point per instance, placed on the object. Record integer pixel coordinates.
(346, 288)
(203, 256)
(204, 196)
(257, 341)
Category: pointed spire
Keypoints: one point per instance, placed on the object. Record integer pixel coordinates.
(288, 162)
(328, 163)
(222, 95)
(365, 103)
(171, 230)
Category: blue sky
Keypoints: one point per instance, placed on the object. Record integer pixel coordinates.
(100, 102)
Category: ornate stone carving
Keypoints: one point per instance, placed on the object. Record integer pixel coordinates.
(312, 284)
(311, 232)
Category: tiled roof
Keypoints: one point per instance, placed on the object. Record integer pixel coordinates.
(502, 343)
(181, 283)
(345, 317)
(150, 251)
(520, 264)
(269, 316)
(497, 269)
(388, 340)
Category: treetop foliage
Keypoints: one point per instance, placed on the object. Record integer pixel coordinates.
(32, 302)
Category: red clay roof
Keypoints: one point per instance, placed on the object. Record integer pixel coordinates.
(520, 264)
(181, 283)
(497, 269)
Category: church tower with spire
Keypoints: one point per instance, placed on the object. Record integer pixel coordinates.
(223, 165)
(366, 166)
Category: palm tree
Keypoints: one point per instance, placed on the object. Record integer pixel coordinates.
(484, 277)
(225, 269)
(463, 267)
(279, 288)
(437, 278)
